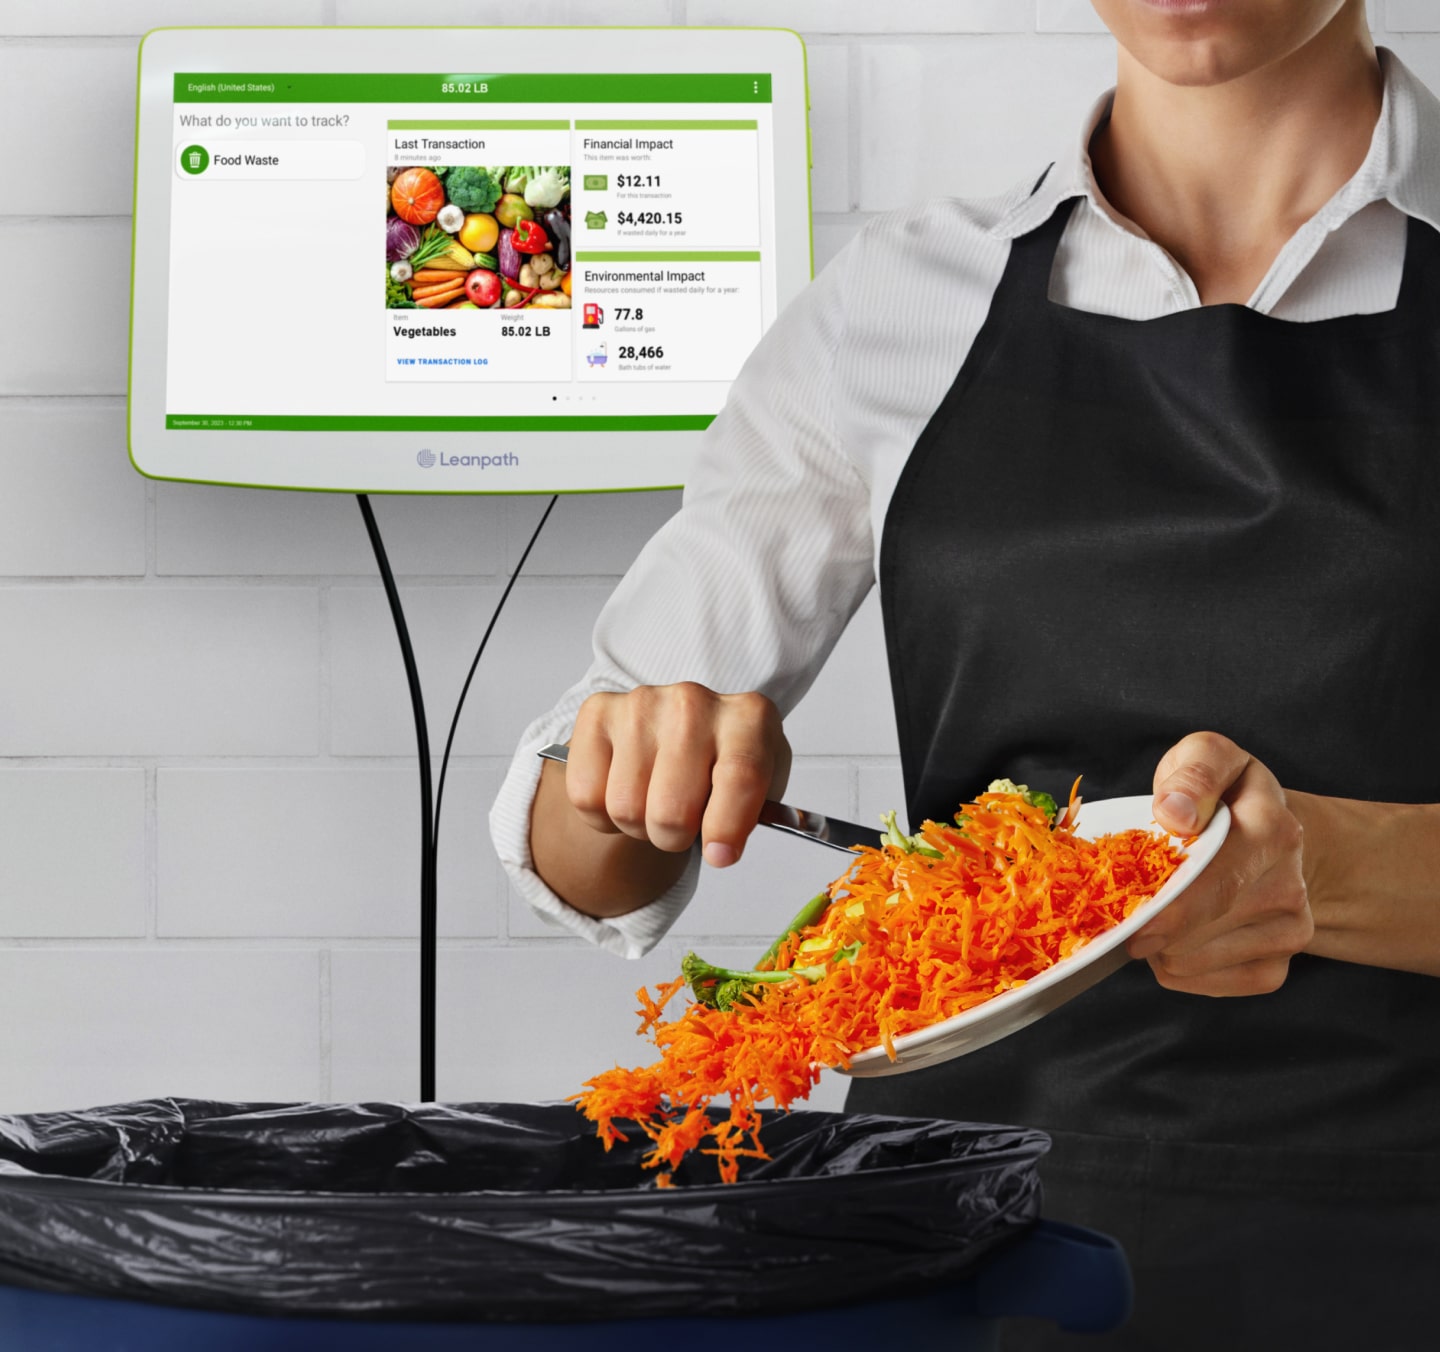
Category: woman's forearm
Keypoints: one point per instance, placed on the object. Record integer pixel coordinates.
(1372, 871)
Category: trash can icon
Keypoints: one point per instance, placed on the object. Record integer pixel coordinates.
(194, 159)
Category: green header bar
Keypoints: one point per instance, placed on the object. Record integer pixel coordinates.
(666, 256)
(540, 87)
(501, 124)
(632, 125)
(340, 423)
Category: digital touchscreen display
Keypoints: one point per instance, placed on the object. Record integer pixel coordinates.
(485, 252)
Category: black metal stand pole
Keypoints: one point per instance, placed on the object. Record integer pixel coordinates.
(428, 908)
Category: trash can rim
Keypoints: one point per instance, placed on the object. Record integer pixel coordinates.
(15, 1177)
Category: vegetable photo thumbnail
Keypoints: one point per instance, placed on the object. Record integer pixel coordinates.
(477, 237)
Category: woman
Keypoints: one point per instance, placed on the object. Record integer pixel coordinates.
(1149, 478)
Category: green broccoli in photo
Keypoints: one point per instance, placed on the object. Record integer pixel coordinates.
(472, 189)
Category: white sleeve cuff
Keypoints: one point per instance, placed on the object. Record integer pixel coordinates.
(631, 935)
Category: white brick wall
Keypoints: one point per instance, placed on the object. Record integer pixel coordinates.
(207, 797)
(102, 1024)
(87, 134)
(62, 451)
(328, 853)
(539, 647)
(78, 345)
(827, 68)
(85, 18)
(862, 16)
(137, 671)
(243, 532)
(1420, 50)
(579, 1019)
(1412, 16)
(1067, 16)
(588, 534)
(505, 12)
(1026, 96)
(50, 889)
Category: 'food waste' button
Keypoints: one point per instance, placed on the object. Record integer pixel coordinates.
(219, 159)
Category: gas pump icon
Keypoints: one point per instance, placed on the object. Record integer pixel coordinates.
(594, 316)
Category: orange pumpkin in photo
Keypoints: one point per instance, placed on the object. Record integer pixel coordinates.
(417, 196)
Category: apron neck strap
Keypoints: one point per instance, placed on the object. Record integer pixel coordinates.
(1420, 279)
(1032, 259)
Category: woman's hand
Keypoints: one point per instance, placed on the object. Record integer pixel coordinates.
(649, 772)
(1234, 930)
(668, 763)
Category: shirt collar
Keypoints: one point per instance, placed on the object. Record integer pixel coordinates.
(1402, 165)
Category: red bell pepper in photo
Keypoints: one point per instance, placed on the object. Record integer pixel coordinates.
(530, 237)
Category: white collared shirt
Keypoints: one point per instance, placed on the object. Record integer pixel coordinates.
(776, 544)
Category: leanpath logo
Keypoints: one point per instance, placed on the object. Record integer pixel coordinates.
(427, 459)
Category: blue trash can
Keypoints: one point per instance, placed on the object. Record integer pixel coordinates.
(1077, 1278)
(183, 1224)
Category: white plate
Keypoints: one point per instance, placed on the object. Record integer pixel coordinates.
(1013, 1010)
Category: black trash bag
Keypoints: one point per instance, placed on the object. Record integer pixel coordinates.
(493, 1211)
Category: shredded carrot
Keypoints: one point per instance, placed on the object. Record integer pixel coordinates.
(1007, 898)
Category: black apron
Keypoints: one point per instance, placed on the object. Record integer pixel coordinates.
(1113, 533)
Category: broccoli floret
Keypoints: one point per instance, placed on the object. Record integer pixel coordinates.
(724, 987)
(472, 188)
(725, 994)
(1044, 801)
(721, 987)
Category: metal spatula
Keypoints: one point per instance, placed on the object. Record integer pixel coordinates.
(795, 821)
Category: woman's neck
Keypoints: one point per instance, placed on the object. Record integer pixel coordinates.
(1223, 175)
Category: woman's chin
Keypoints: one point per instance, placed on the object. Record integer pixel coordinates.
(1199, 43)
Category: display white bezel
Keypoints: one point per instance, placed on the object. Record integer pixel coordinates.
(386, 462)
